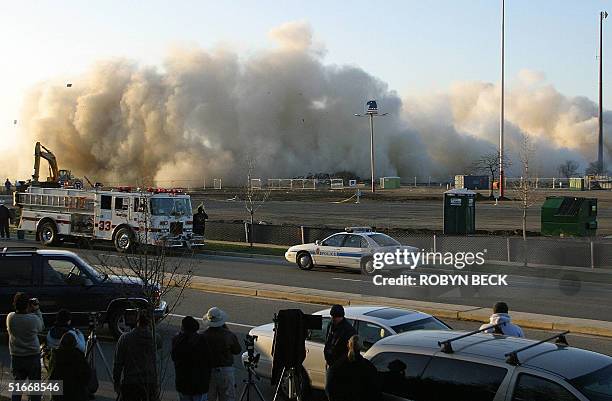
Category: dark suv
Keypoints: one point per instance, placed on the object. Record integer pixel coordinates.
(61, 279)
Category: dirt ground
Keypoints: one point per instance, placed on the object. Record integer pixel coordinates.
(408, 208)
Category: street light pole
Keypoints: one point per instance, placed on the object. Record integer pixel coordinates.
(600, 161)
(372, 150)
(371, 112)
(501, 117)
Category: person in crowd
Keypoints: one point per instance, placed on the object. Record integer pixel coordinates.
(7, 186)
(63, 324)
(134, 370)
(199, 220)
(338, 334)
(501, 315)
(68, 364)
(5, 215)
(192, 361)
(223, 345)
(23, 327)
(352, 377)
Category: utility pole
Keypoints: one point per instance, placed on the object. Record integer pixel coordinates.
(501, 116)
(600, 160)
(371, 112)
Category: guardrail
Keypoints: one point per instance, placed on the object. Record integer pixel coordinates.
(536, 251)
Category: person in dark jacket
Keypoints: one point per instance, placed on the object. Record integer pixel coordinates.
(223, 345)
(338, 334)
(352, 377)
(135, 370)
(192, 360)
(63, 324)
(69, 365)
(4, 221)
(199, 221)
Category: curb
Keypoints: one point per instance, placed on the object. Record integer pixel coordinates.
(450, 311)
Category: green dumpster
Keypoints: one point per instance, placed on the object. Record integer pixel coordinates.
(459, 211)
(569, 216)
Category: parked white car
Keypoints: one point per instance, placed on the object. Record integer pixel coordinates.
(371, 322)
(353, 248)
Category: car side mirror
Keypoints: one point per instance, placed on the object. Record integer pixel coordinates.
(317, 242)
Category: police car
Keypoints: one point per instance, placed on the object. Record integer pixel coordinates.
(352, 248)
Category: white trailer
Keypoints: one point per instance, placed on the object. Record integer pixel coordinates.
(125, 217)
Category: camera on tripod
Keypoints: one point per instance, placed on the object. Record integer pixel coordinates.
(252, 357)
(93, 321)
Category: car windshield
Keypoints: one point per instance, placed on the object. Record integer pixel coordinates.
(90, 269)
(175, 207)
(429, 323)
(384, 240)
(597, 385)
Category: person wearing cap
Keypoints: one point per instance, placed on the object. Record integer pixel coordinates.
(223, 345)
(4, 221)
(192, 359)
(63, 324)
(199, 220)
(338, 334)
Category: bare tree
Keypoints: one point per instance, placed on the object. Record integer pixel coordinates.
(595, 169)
(489, 163)
(568, 168)
(162, 278)
(254, 197)
(526, 186)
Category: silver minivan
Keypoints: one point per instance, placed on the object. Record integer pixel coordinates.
(460, 366)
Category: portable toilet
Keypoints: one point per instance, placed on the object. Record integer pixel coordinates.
(563, 215)
(459, 211)
(389, 182)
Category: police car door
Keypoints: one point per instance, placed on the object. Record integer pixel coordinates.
(351, 252)
(327, 252)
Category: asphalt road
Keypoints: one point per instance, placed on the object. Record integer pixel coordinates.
(245, 313)
(558, 297)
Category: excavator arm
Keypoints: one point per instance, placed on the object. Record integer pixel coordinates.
(42, 152)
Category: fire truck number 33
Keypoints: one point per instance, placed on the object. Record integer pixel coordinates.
(104, 225)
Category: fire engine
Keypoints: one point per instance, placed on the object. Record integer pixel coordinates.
(153, 216)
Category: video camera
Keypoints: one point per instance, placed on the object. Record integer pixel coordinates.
(253, 358)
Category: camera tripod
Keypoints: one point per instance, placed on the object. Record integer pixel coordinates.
(294, 384)
(93, 345)
(249, 383)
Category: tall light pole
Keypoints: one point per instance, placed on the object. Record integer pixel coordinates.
(600, 161)
(371, 112)
(501, 116)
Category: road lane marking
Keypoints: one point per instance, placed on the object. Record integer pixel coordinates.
(349, 279)
(248, 326)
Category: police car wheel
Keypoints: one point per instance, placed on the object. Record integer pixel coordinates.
(304, 261)
(367, 267)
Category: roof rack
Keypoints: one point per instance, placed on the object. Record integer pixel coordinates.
(560, 341)
(15, 249)
(447, 347)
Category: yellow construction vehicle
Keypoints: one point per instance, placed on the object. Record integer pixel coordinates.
(57, 178)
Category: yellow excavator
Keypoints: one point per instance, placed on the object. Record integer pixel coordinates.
(57, 178)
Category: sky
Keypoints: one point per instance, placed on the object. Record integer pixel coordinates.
(417, 47)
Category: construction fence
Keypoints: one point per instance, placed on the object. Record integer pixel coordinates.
(536, 251)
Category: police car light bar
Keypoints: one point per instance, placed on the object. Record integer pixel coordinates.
(358, 229)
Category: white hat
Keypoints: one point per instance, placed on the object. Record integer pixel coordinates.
(215, 317)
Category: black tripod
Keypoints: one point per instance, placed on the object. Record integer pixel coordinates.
(249, 383)
(93, 346)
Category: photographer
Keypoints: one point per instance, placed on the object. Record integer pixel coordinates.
(338, 334)
(63, 324)
(23, 326)
(224, 345)
(192, 360)
(68, 364)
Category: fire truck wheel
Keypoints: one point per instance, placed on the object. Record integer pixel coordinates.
(124, 239)
(47, 233)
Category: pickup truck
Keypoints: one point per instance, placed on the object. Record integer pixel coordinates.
(62, 280)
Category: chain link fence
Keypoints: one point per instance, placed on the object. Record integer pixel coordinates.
(574, 252)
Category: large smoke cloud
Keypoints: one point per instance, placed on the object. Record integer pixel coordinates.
(204, 113)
